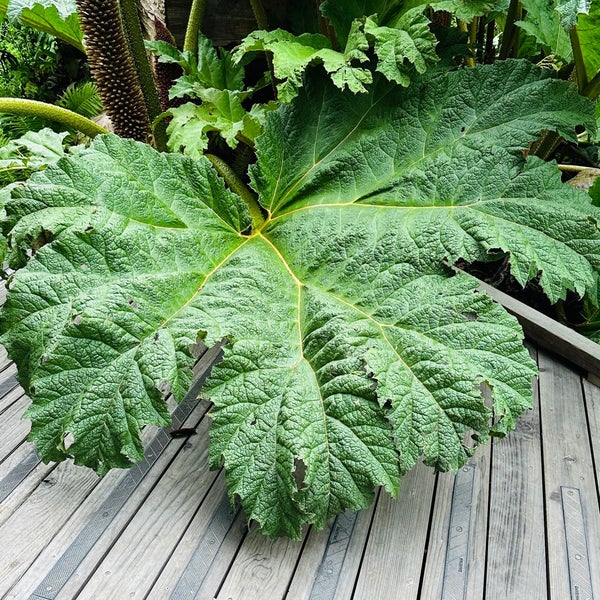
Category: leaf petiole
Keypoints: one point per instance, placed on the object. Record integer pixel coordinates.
(236, 184)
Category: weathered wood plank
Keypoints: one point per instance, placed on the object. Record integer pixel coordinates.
(157, 511)
(329, 565)
(75, 552)
(399, 530)
(516, 565)
(592, 399)
(263, 568)
(437, 551)
(79, 536)
(202, 553)
(567, 463)
(14, 428)
(38, 519)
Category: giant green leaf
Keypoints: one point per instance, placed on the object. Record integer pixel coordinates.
(353, 350)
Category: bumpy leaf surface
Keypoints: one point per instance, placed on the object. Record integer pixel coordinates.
(353, 350)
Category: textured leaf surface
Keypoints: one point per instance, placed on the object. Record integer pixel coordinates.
(403, 47)
(353, 350)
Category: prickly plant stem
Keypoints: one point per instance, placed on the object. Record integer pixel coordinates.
(263, 23)
(236, 185)
(259, 14)
(190, 43)
(582, 79)
(473, 28)
(34, 108)
(572, 168)
(135, 38)
(462, 26)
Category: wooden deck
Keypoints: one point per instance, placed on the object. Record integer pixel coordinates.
(521, 520)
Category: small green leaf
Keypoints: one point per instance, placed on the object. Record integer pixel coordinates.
(407, 42)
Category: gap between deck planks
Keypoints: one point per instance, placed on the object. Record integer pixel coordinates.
(396, 549)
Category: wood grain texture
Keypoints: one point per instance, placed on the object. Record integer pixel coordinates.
(263, 568)
(149, 526)
(567, 462)
(433, 576)
(38, 519)
(399, 531)
(221, 559)
(592, 400)
(516, 564)
(310, 563)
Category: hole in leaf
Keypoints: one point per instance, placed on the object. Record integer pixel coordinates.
(487, 394)
(84, 267)
(469, 316)
(132, 303)
(299, 472)
(76, 320)
(68, 440)
(164, 387)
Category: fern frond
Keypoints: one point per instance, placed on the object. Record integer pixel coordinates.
(82, 98)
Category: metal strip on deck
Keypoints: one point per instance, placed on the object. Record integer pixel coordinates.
(580, 576)
(197, 568)
(457, 551)
(18, 474)
(330, 569)
(72, 557)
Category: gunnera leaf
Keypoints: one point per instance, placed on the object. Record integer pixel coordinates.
(353, 349)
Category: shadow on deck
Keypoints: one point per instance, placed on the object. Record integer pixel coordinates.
(521, 520)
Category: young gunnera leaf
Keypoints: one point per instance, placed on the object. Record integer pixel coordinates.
(213, 78)
(402, 47)
(353, 350)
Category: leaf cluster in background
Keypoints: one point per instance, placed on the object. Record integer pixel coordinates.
(401, 48)
(55, 17)
(214, 79)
